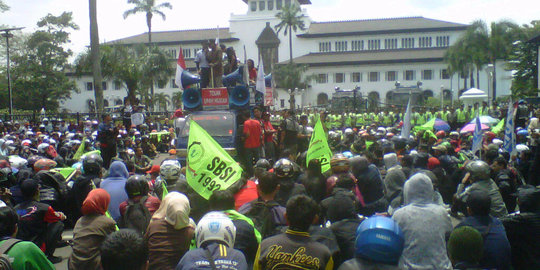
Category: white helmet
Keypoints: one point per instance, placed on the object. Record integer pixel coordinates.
(348, 131)
(42, 147)
(215, 226)
(309, 130)
(170, 170)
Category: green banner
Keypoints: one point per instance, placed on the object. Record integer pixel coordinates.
(80, 150)
(318, 147)
(499, 127)
(67, 173)
(209, 167)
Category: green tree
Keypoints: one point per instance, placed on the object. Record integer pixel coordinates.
(523, 61)
(176, 99)
(476, 42)
(458, 61)
(290, 21)
(39, 73)
(150, 8)
(502, 36)
(162, 100)
(3, 6)
(135, 66)
(291, 76)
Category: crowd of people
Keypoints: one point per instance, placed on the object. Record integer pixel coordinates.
(387, 202)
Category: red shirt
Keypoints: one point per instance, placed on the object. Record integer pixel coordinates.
(247, 194)
(152, 204)
(253, 74)
(253, 131)
(268, 137)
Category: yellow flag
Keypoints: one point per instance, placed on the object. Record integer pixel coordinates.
(318, 147)
(209, 167)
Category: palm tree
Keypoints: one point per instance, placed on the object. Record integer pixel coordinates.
(95, 56)
(476, 43)
(176, 99)
(501, 39)
(150, 8)
(290, 21)
(162, 100)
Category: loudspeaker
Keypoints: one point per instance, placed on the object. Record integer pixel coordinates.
(268, 80)
(234, 78)
(192, 98)
(238, 97)
(189, 79)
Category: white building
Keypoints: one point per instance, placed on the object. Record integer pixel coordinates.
(371, 54)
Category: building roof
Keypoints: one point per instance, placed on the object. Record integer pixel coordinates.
(179, 37)
(535, 38)
(372, 57)
(302, 2)
(380, 26)
(268, 37)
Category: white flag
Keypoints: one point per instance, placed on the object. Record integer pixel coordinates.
(406, 128)
(261, 85)
(180, 67)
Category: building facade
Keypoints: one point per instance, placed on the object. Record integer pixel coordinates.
(373, 55)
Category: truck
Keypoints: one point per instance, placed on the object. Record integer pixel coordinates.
(221, 125)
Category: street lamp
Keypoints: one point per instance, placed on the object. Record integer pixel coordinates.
(7, 35)
(489, 71)
(292, 99)
(442, 97)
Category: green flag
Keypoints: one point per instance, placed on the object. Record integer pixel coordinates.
(80, 150)
(209, 167)
(318, 147)
(67, 173)
(499, 127)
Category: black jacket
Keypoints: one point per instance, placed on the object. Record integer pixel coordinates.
(523, 232)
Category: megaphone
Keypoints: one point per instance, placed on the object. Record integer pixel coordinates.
(189, 79)
(268, 80)
(192, 98)
(234, 78)
(239, 96)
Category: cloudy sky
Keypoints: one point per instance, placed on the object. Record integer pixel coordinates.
(196, 14)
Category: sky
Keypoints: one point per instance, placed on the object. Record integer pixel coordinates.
(199, 14)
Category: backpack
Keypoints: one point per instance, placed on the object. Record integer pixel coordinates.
(5, 261)
(136, 217)
(263, 218)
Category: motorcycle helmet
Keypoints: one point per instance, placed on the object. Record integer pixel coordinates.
(284, 168)
(92, 163)
(478, 169)
(379, 239)
(339, 163)
(215, 226)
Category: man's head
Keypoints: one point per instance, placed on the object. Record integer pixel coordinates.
(257, 113)
(124, 250)
(138, 151)
(221, 200)
(478, 204)
(8, 222)
(106, 118)
(499, 163)
(212, 44)
(268, 184)
(204, 44)
(465, 245)
(301, 212)
(30, 188)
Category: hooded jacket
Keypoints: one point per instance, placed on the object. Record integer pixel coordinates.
(90, 231)
(115, 184)
(498, 209)
(425, 246)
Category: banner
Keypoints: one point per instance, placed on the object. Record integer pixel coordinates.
(269, 97)
(209, 167)
(318, 147)
(509, 132)
(215, 98)
(406, 129)
(477, 136)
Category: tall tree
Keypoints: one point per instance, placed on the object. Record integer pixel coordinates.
(176, 99)
(476, 43)
(3, 6)
(502, 36)
(523, 60)
(162, 100)
(39, 73)
(291, 20)
(131, 65)
(150, 8)
(95, 56)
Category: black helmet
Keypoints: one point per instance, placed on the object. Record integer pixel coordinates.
(263, 164)
(92, 163)
(136, 185)
(478, 169)
(284, 168)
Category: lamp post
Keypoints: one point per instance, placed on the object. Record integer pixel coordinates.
(292, 99)
(489, 72)
(7, 35)
(442, 97)
(355, 90)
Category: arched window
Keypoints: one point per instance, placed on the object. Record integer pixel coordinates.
(373, 99)
(322, 99)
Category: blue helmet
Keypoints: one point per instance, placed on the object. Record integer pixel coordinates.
(523, 132)
(348, 154)
(379, 239)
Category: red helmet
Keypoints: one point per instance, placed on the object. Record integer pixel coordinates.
(440, 134)
(44, 164)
